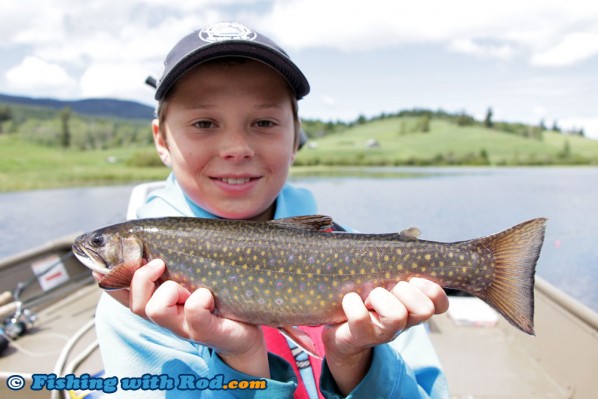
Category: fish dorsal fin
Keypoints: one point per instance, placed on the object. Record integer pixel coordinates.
(411, 234)
(306, 223)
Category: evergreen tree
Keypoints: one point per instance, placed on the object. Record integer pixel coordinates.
(488, 120)
(65, 135)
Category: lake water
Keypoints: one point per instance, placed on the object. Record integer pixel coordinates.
(448, 204)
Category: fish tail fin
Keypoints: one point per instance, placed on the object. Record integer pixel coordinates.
(516, 252)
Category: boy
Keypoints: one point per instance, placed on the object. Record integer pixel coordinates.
(228, 127)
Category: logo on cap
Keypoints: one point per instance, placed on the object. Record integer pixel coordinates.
(226, 31)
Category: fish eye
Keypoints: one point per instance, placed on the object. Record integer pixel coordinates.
(97, 240)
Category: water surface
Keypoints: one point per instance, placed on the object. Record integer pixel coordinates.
(446, 204)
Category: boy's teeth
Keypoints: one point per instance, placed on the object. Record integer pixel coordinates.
(236, 181)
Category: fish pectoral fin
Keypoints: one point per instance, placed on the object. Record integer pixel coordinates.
(120, 276)
(309, 223)
(412, 233)
(302, 340)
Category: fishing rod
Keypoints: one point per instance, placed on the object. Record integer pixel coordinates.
(21, 319)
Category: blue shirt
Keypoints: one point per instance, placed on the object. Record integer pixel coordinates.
(132, 347)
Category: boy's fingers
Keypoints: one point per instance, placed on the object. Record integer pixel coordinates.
(433, 291)
(165, 307)
(143, 285)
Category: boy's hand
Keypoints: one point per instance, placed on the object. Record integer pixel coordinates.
(189, 315)
(377, 320)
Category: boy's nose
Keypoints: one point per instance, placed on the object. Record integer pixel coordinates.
(236, 145)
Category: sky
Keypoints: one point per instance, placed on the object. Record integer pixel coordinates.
(528, 61)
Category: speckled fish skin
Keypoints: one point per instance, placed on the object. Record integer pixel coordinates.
(290, 272)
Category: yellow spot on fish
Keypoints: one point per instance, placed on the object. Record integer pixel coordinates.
(386, 258)
(341, 272)
(399, 251)
(414, 265)
(464, 269)
(267, 292)
(428, 257)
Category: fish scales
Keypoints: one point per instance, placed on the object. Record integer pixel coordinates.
(290, 272)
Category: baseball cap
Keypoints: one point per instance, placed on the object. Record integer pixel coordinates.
(228, 39)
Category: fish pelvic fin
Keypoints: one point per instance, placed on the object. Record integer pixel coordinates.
(302, 340)
(516, 252)
(120, 276)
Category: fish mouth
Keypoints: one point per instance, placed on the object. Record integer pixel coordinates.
(90, 259)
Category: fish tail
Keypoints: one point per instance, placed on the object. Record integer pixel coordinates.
(516, 252)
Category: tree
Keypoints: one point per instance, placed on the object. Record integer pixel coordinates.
(555, 127)
(65, 134)
(5, 115)
(488, 120)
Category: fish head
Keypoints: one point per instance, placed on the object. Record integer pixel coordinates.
(106, 249)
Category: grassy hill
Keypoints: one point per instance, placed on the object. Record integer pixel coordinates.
(112, 151)
(396, 141)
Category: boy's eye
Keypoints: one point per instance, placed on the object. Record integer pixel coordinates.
(203, 124)
(264, 123)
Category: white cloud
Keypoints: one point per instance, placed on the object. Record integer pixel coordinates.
(120, 81)
(534, 28)
(479, 48)
(40, 76)
(574, 47)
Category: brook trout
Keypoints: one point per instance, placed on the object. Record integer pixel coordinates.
(291, 272)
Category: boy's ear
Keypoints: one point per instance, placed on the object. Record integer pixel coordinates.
(160, 143)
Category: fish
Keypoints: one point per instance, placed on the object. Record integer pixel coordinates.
(295, 271)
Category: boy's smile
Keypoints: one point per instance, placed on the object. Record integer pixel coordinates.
(229, 137)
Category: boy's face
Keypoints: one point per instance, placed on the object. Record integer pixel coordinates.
(229, 137)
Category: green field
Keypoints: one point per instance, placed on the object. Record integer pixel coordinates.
(445, 143)
(25, 166)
